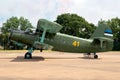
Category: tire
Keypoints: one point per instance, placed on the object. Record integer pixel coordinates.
(28, 55)
(95, 56)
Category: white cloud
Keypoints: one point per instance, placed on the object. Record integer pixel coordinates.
(91, 10)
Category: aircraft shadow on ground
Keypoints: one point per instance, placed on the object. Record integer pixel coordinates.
(89, 58)
(36, 58)
(68, 58)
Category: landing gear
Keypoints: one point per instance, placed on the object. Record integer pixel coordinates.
(95, 56)
(28, 55)
(89, 55)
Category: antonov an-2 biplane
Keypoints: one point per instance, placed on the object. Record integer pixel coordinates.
(47, 36)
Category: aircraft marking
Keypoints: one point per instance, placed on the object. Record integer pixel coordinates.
(76, 43)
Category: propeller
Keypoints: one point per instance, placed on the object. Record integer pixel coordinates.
(9, 38)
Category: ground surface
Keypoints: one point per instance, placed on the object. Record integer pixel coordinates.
(59, 66)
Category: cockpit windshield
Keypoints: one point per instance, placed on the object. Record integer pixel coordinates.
(30, 30)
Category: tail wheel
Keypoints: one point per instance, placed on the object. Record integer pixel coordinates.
(95, 56)
(41, 50)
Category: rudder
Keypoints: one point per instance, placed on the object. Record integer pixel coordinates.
(103, 30)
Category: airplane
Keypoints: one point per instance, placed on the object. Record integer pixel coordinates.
(47, 36)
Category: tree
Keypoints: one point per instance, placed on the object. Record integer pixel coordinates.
(114, 23)
(13, 23)
(24, 23)
(75, 25)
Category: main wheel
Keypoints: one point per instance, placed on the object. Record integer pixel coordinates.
(95, 56)
(28, 55)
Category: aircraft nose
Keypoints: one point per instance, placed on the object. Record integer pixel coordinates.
(10, 34)
(9, 38)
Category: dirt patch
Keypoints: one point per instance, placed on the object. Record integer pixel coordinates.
(59, 66)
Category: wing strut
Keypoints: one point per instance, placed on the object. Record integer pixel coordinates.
(43, 36)
(28, 55)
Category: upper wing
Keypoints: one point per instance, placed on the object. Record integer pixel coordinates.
(44, 26)
(51, 27)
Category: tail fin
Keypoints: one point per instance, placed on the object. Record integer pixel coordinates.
(103, 30)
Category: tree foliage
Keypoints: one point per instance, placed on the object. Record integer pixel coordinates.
(114, 23)
(15, 23)
(75, 25)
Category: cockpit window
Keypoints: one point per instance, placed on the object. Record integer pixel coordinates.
(30, 30)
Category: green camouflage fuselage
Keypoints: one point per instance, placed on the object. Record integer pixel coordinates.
(65, 43)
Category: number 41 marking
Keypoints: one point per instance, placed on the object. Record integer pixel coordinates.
(76, 43)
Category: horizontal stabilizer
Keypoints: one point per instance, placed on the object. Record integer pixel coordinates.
(100, 41)
(44, 46)
(49, 26)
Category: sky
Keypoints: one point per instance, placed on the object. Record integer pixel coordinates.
(91, 10)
